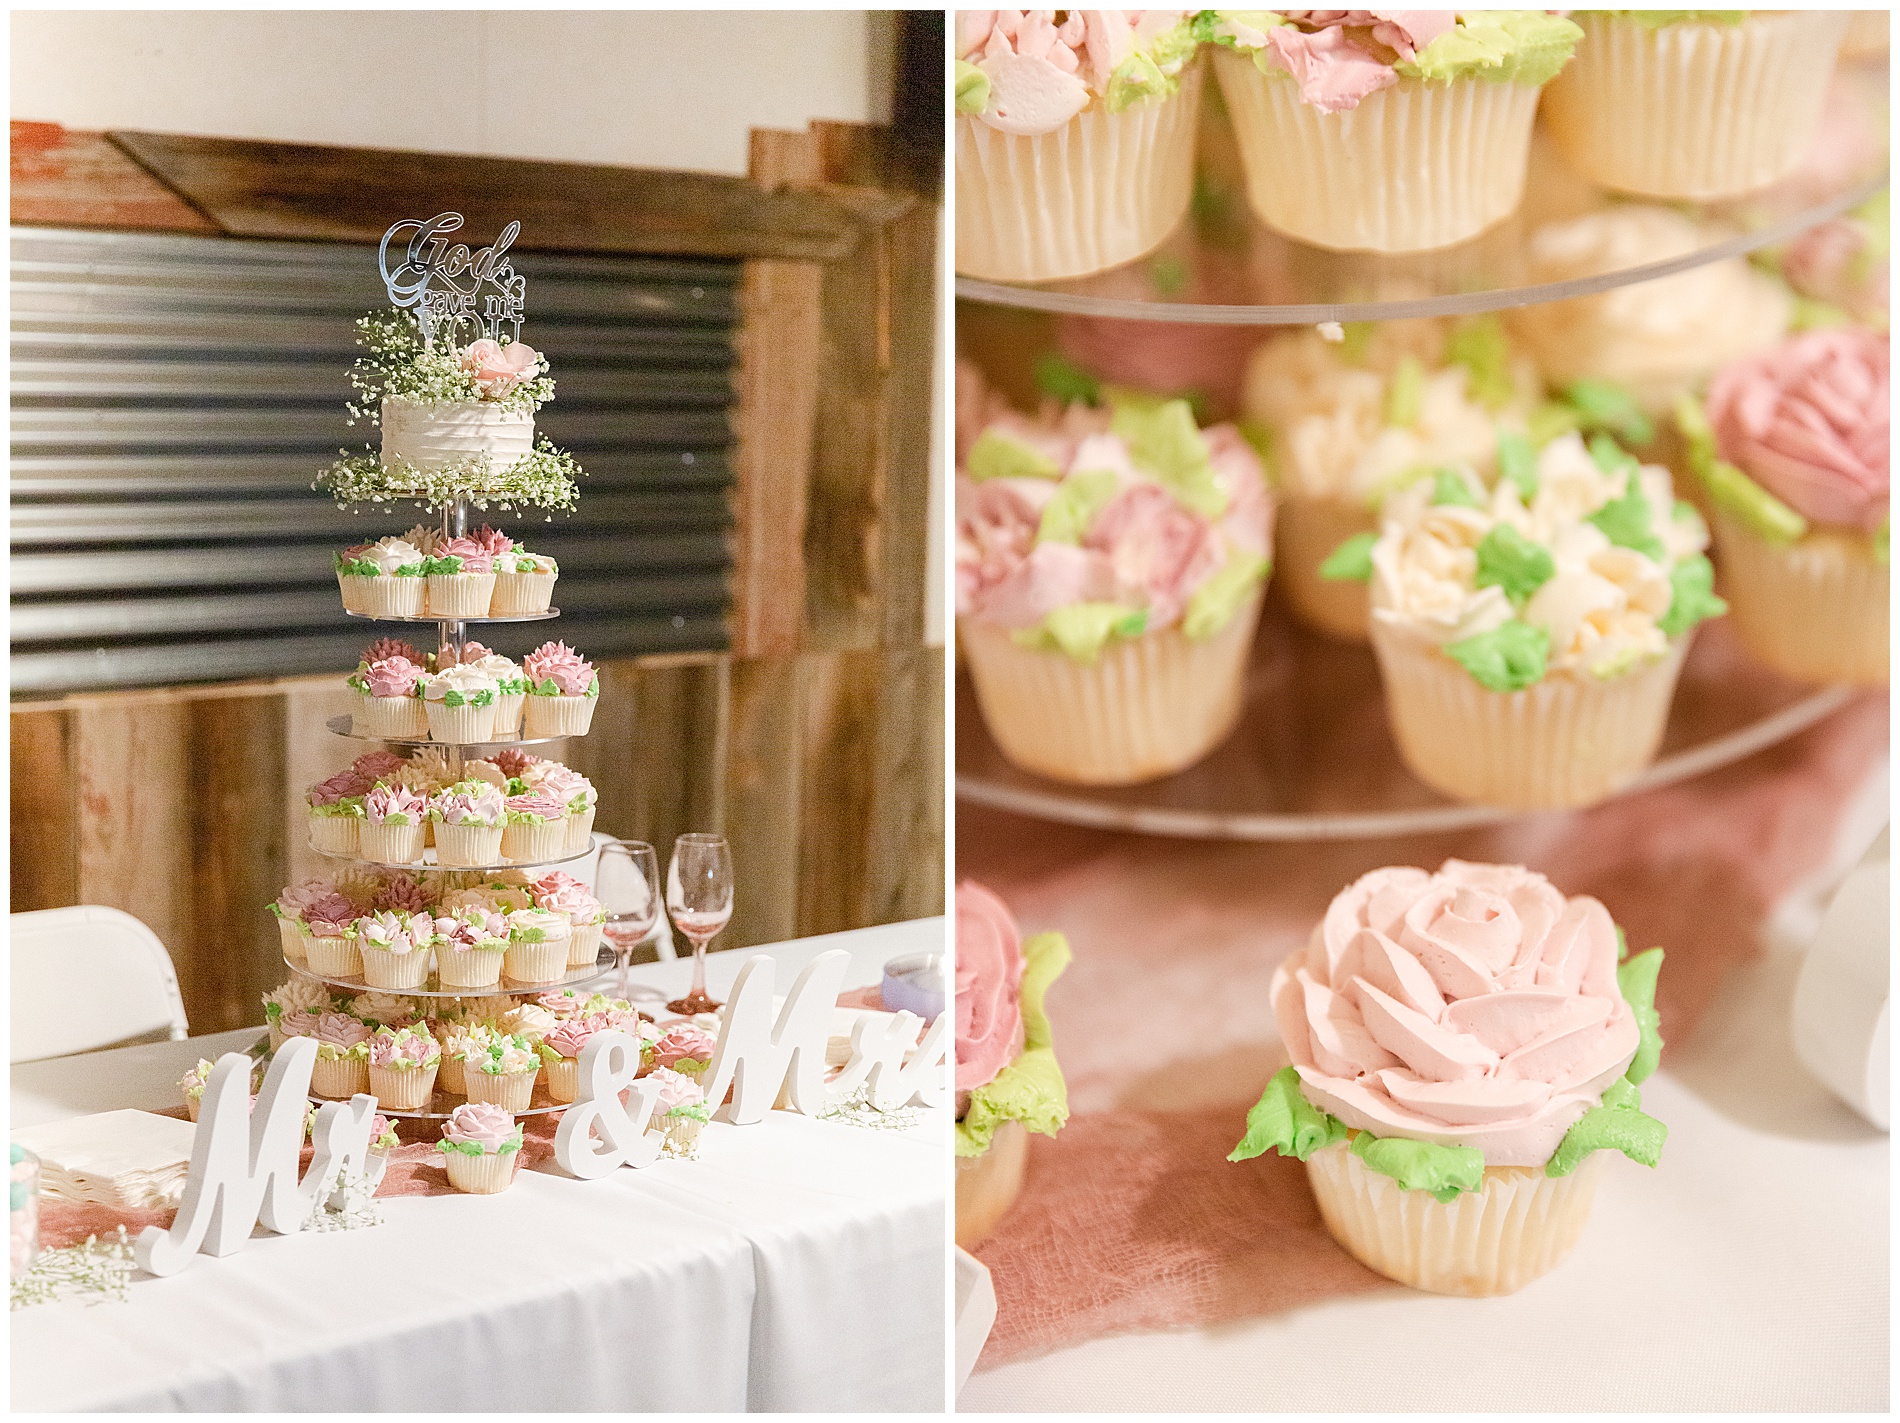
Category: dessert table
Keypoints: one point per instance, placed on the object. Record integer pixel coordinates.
(795, 1265)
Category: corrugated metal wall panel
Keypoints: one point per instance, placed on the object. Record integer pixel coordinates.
(174, 397)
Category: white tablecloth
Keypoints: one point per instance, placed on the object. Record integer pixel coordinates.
(797, 1265)
(1748, 1272)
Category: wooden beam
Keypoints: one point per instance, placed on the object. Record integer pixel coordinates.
(64, 178)
(44, 847)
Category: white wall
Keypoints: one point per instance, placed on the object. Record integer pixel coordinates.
(653, 88)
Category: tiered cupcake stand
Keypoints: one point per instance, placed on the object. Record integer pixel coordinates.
(451, 633)
(1311, 759)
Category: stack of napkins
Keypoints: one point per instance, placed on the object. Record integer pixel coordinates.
(126, 1158)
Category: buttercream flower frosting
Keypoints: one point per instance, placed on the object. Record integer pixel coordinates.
(293, 900)
(1031, 71)
(536, 926)
(339, 1035)
(1340, 58)
(1006, 1065)
(562, 783)
(1470, 1018)
(458, 686)
(679, 1095)
(384, 1009)
(300, 995)
(500, 1055)
(534, 807)
(341, 794)
(394, 933)
(1580, 560)
(390, 677)
(192, 1084)
(555, 669)
(401, 1049)
(373, 766)
(331, 917)
(480, 1129)
(562, 894)
(1841, 266)
(570, 1035)
(1109, 523)
(460, 556)
(684, 1048)
(401, 892)
(394, 805)
(389, 557)
(474, 803)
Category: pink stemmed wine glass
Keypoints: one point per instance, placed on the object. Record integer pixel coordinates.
(699, 897)
(627, 884)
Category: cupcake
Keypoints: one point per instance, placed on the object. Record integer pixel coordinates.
(383, 579)
(536, 830)
(395, 949)
(1529, 638)
(300, 995)
(342, 1068)
(382, 1009)
(461, 705)
(586, 916)
(572, 788)
(511, 683)
(1697, 104)
(481, 1147)
(402, 1067)
(1386, 131)
(1008, 1080)
(1840, 267)
(336, 813)
(561, 1050)
(469, 819)
(192, 1085)
(470, 945)
(461, 579)
(524, 581)
(500, 1070)
(1463, 1045)
(288, 910)
(391, 831)
(1075, 140)
(331, 950)
(563, 689)
(1659, 339)
(1109, 573)
(1794, 453)
(391, 700)
(681, 1111)
(452, 1037)
(373, 767)
(1349, 420)
(537, 946)
(685, 1049)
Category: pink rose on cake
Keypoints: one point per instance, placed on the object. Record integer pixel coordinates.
(340, 1035)
(685, 1049)
(335, 790)
(500, 369)
(989, 977)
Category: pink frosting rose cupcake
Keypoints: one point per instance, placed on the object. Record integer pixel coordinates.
(575, 791)
(1109, 572)
(391, 832)
(1463, 1043)
(501, 1070)
(681, 1111)
(395, 949)
(461, 580)
(562, 894)
(288, 910)
(470, 946)
(561, 1050)
(342, 1068)
(1007, 1078)
(336, 813)
(685, 1049)
(481, 1147)
(331, 949)
(391, 702)
(402, 1067)
(470, 818)
(536, 828)
(563, 690)
(1795, 452)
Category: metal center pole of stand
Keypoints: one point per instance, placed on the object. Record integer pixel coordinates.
(449, 631)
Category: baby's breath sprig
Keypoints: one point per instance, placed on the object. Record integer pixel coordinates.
(544, 479)
(94, 1269)
(399, 366)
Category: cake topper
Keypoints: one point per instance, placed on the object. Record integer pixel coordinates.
(443, 284)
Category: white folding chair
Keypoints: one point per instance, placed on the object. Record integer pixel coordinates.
(88, 977)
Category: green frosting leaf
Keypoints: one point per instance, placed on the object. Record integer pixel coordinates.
(1733, 491)
(1029, 1090)
(1058, 376)
(1447, 1172)
(1601, 405)
(447, 566)
(973, 88)
(1405, 396)
(1171, 51)
(1285, 1122)
(1081, 630)
(1625, 1128)
(1508, 560)
(1351, 562)
(1517, 462)
(1479, 345)
(1636, 979)
(1163, 441)
(1626, 523)
(1216, 601)
(1451, 487)
(1549, 420)
(1693, 599)
(1136, 78)
(1880, 541)
(1509, 658)
(1509, 46)
(999, 456)
(1611, 457)
(1078, 499)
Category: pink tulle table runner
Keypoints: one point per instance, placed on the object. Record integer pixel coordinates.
(1132, 1220)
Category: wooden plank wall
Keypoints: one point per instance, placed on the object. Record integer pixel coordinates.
(815, 744)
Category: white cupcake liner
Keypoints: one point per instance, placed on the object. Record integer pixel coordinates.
(580, 830)
(1693, 110)
(511, 1091)
(682, 1135)
(390, 844)
(295, 942)
(449, 1076)
(402, 717)
(334, 957)
(467, 845)
(335, 834)
(394, 973)
(1146, 707)
(1306, 531)
(481, 1175)
(356, 591)
(525, 842)
(1569, 741)
(339, 1078)
(518, 593)
(536, 963)
(557, 716)
(564, 1079)
(1101, 190)
(468, 968)
(583, 945)
(461, 725)
(404, 1089)
(388, 596)
(508, 707)
(1491, 1241)
(460, 595)
(1412, 167)
(988, 1185)
(1815, 610)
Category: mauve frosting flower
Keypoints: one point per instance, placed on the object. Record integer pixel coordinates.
(475, 558)
(996, 530)
(676, 1090)
(488, 1126)
(989, 984)
(512, 762)
(556, 662)
(372, 766)
(1810, 420)
(482, 806)
(492, 541)
(385, 648)
(301, 1022)
(683, 1041)
(386, 931)
(329, 916)
(1334, 69)
(1157, 546)
(401, 892)
(470, 653)
(563, 894)
(403, 1047)
(387, 802)
(340, 1030)
(1475, 1007)
(341, 786)
(564, 1003)
(570, 1035)
(393, 677)
(295, 899)
(499, 369)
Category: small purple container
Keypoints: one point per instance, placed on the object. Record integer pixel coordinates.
(914, 983)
